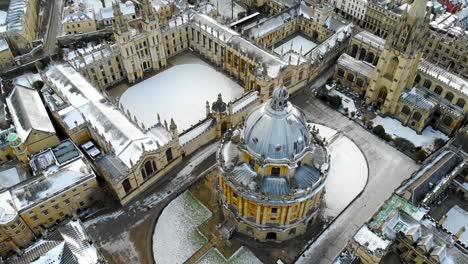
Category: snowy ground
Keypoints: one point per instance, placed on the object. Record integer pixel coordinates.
(396, 129)
(346, 101)
(348, 172)
(175, 237)
(297, 42)
(242, 256)
(180, 93)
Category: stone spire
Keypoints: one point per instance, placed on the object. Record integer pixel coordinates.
(147, 12)
(120, 23)
(417, 9)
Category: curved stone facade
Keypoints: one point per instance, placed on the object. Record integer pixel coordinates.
(272, 191)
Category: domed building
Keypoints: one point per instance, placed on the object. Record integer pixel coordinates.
(272, 171)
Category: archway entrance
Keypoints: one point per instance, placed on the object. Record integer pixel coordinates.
(271, 236)
(382, 96)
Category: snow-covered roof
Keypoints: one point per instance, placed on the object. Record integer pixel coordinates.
(127, 141)
(456, 219)
(28, 112)
(7, 211)
(196, 131)
(451, 80)
(272, 23)
(127, 8)
(370, 240)
(3, 45)
(58, 169)
(16, 12)
(417, 100)
(12, 173)
(67, 244)
(370, 39)
(78, 11)
(448, 23)
(361, 67)
(244, 101)
(81, 57)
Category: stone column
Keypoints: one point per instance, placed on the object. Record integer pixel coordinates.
(257, 216)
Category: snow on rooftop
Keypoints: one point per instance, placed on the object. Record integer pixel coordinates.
(40, 188)
(15, 17)
(371, 39)
(456, 219)
(7, 211)
(195, 131)
(3, 17)
(175, 237)
(361, 67)
(444, 76)
(28, 112)
(370, 240)
(127, 9)
(126, 139)
(298, 44)
(3, 45)
(179, 92)
(396, 129)
(246, 100)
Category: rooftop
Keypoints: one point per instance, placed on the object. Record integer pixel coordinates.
(67, 244)
(16, 12)
(370, 240)
(361, 67)
(455, 82)
(127, 140)
(28, 112)
(391, 206)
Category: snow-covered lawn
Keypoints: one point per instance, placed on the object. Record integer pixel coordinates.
(346, 101)
(181, 93)
(242, 256)
(348, 172)
(175, 237)
(297, 42)
(396, 129)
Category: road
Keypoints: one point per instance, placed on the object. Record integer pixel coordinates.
(55, 17)
(387, 169)
(124, 235)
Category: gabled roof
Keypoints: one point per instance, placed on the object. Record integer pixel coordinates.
(28, 112)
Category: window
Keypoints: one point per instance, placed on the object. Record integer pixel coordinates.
(340, 72)
(126, 185)
(350, 77)
(405, 110)
(169, 156)
(461, 102)
(449, 96)
(360, 83)
(274, 210)
(417, 116)
(45, 212)
(438, 90)
(447, 121)
(149, 168)
(275, 171)
(427, 84)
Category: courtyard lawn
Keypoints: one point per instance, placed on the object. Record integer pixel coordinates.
(175, 237)
(181, 93)
(297, 42)
(396, 129)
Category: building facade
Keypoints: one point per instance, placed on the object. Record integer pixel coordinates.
(272, 172)
(32, 206)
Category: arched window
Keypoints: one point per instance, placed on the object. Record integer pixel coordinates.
(350, 77)
(370, 57)
(417, 79)
(169, 156)
(427, 84)
(149, 168)
(340, 72)
(360, 83)
(447, 121)
(406, 110)
(354, 51)
(461, 102)
(417, 116)
(449, 96)
(126, 185)
(362, 54)
(438, 90)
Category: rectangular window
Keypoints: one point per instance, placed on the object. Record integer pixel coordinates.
(275, 171)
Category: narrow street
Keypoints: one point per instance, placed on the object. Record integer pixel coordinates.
(124, 234)
(54, 24)
(387, 169)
